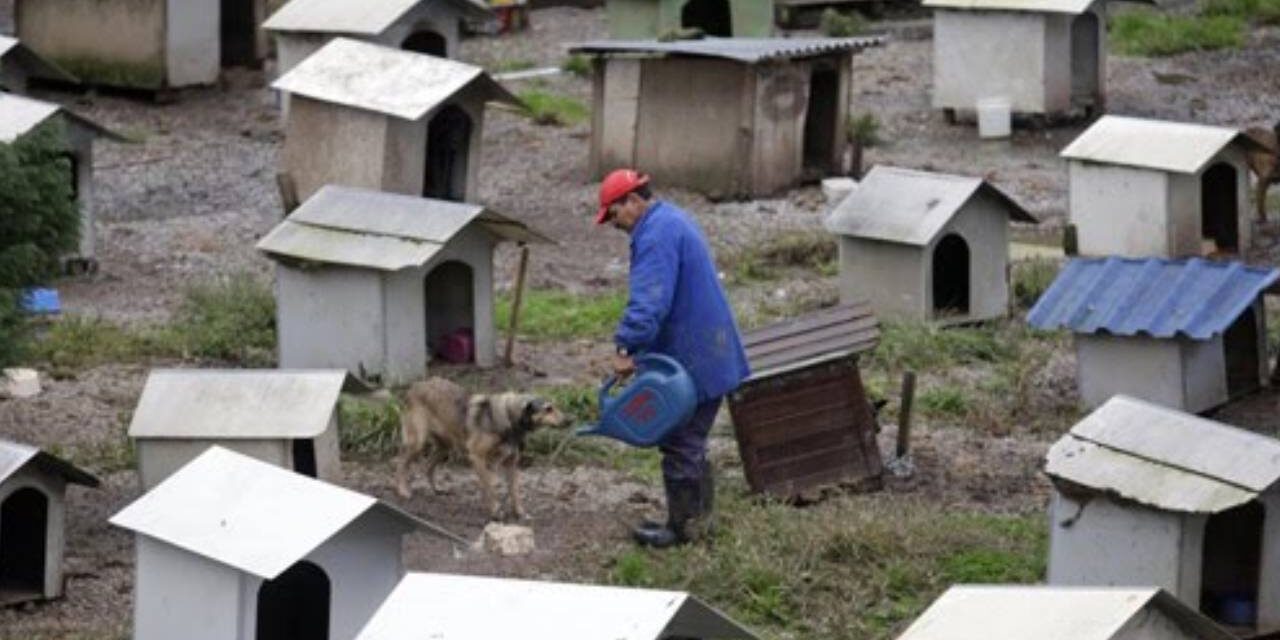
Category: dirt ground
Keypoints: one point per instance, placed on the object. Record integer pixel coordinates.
(189, 198)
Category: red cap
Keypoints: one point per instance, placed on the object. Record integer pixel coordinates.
(618, 183)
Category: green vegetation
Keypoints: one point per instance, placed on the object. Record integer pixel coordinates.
(837, 24)
(578, 65)
(808, 250)
(1257, 11)
(507, 66)
(547, 108)
(864, 129)
(142, 75)
(559, 315)
(368, 427)
(1030, 279)
(945, 401)
(1150, 33)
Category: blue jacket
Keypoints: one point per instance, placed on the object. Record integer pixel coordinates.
(676, 306)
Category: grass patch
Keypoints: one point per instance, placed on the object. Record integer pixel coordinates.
(1257, 11)
(1148, 33)
(368, 427)
(768, 260)
(927, 347)
(508, 66)
(864, 130)
(1030, 279)
(945, 401)
(546, 108)
(559, 315)
(578, 65)
(838, 24)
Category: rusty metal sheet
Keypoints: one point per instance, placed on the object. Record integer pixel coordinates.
(1177, 147)
(831, 334)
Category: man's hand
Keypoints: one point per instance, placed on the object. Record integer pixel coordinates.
(623, 365)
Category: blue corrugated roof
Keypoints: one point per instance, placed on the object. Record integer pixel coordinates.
(1194, 297)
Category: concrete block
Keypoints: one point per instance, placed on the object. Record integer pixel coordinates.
(19, 383)
(836, 189)
(506, 539)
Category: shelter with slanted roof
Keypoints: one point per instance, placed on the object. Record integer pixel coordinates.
(145, 44)
(18, 64)
(378, 283)
(20, 115)
(430, 605)
(649, 19)
(927, 246)
(1187, 334)
(33, 517)
(730, 117)
(1018, 612)
(364, 115)
(230, 547)
(287, 418)
(432, 27)
(1150, 188)
(1148, 495)
(1046, 57)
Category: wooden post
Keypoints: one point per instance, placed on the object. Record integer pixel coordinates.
(288, 192)
(904, 413)
(514, 324)
(1071, 240)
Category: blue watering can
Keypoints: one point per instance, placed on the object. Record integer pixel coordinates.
(659, 398)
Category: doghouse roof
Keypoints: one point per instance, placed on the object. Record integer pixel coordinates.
(911, 207)
(1002, 612)
(372, 77)
(822, 336)
(1176, 147)
(20, 114)
(359, 18)
(34, 64)
(748, 50)
(379, 230)
(14, 457)
(1073, 7)
(428, 605)
(234, 403)
(1164, 458)
(251, 515)
(1156, 297)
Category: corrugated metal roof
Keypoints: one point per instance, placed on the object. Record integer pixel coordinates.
(379, 230)
(35, 64)
(20, 114)
(1157, 297)
(439, 606)
(236, 403)
(830, 334)
(1033, 6)
(14, 456)
(1165, 458)
(398, 83)
(1152, 144)
(910, 207)
(748, 50)
(361, 18)
(966, 612)
(247, 514)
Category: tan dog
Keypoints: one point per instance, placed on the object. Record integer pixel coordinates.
(489, 428)
(1264, 162)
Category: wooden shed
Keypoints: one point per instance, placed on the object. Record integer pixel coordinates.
(1144, 494)
(803, 419)
(20, 115)
(926, 246)
(1149, 188)
(378, 283)
(651, 19)
(365, 115)
(33, 516)
(730, 117)
(1187, 334)
(1045, 57)
(432, 27)
(145, 44)
(287, 418)
(1019, 612)
(231, 548)
(19, 64)
(430, 605)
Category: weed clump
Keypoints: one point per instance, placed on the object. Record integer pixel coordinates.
(559, 315)
(578, 65)
(546, 108)
(837, 24)
(1148, 34)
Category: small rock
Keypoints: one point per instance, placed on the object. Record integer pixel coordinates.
(835, 189)
(506, 539)
(19, 383)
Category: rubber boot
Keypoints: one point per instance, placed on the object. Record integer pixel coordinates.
(706, 501)
(684, 503)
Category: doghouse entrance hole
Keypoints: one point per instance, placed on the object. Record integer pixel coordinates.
(24, 525)
(951, 276)
(713, 17)
(304, 457)
(448, 141)
(428, 42)
(1232, 560)
(295, 605)
(820, 122)
(1085, 38)
(1240, 350)
(1219, 212)
(238, 33)
(450, 312)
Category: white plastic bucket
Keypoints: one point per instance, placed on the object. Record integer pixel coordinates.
(995, 118)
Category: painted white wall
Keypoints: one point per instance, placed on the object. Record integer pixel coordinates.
(1140, 367)
(988, 54)
(1204, 367)
(1120, 211)
(984, 225)
(158, 458)
(178, 594)
(1057, 62)
(54, 489)
(890, 276)
(330, 317)
(193, 49)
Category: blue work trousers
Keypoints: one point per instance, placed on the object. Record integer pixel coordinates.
(684, 450)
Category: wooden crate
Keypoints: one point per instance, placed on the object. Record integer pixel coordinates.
(803, 420)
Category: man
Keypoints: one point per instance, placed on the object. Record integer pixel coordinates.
(675, 307)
